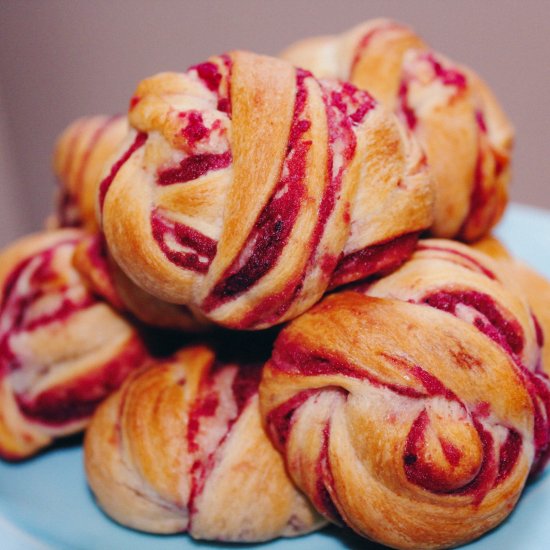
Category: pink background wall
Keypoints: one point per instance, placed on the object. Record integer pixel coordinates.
(63, 59)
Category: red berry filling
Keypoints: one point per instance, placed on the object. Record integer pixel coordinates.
(36, 295)
(77, 399)
(182, 245)
(274, 225)
(104, 186)
(374, 260)
(194, 167)
(243, 388)
(473, 264)
(508, 334)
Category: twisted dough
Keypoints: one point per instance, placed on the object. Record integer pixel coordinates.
(466, 136)
(81, 155)
(248, 188)
(413, 415)
(181, 448)
(61, 349)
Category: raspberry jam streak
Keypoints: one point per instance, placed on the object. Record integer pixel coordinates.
(194, 167)
(33, 279)
(447, 76)
(291, 357)
(482, 210)
(421, 471)
(403, 105)
(279, 420)
(77, 399)
(104, 186)
(44, 290)
(271, 232)
(508, 455)
(345, 107)
(96, 137)
(97, 273)
(375, 259)
(272, 307)
(418, 470)
(475, 265)
(324, 499)
(538, 330)
(452, 453)
(341, 148)
(198, 132)
(508, 334)
(243, 388)
(217, 78)
(182, 245)
(208, 72)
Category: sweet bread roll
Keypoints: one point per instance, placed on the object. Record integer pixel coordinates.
(62, 350)
(413, 414)
(181, 448)
(454, 115)
(247, 188)
(81, 155)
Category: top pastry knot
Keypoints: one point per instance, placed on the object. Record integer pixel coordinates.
(247, 187)
(456, 118)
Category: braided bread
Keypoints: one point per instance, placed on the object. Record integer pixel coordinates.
(61, 349)
(466, 136)
(181, 448)
(247, 188)
(81, 155)
(413, 414)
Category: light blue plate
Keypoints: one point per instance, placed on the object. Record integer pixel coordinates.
(45, 504)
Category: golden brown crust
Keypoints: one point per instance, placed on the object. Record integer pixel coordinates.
(245, 179)
(491, 246)
(413, 413)
(62, 349)
(457, 119)
(181, 448)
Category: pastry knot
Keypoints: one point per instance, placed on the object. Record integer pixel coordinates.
(63, 349)
(247, 188)
(414, 409)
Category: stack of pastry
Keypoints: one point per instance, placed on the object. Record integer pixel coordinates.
(410, 406)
